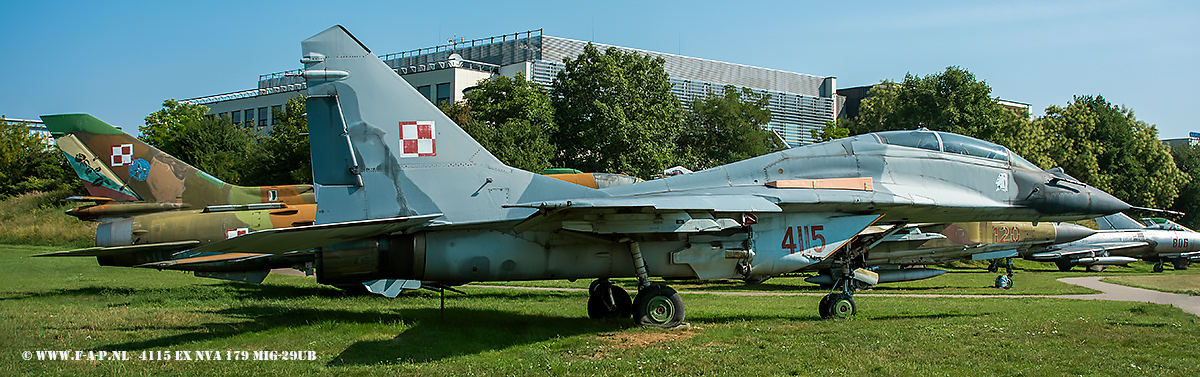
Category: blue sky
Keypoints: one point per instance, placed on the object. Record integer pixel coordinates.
(119, 60)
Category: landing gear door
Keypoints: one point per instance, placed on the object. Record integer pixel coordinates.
(785, 242)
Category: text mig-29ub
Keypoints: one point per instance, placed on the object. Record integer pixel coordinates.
(405, 195)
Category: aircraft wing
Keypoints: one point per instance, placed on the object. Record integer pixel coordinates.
(716, 203)
(285, 240)
(643, 213)
(119, 250)
(231, 261)
(1088, 248)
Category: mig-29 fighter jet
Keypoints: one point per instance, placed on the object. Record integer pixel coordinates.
(405, 196)
(152, 207)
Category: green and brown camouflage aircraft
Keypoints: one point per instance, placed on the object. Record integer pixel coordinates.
(152, 207)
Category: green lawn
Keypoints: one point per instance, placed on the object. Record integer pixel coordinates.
(72, 304)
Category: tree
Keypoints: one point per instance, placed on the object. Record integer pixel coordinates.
(615, 113)
(161, 125)
(832, 131)
(951, 101)
(726, 128)
(28, 163)
(285, 157)
(1187, 159)
(212, 144)
(511, 117)
(1105, 146)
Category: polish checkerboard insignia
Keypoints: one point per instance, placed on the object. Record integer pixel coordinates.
(122, 155)
(417, 139)
(230, 233)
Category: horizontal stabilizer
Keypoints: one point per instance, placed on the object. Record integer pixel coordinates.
(282, 240)
(121, 250)
(255, 277)
(213, 258)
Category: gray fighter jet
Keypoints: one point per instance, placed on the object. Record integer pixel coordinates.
(405, 198)
(1123, 240)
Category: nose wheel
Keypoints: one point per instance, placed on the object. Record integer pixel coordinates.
(837, 305)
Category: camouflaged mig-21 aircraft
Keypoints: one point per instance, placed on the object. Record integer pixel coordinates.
(153, 207)
(406, 197)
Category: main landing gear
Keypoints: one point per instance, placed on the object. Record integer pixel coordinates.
(655, 304)
(606, 301)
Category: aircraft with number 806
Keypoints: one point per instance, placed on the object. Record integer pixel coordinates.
(405, 198)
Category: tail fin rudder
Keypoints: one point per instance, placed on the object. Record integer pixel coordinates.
(152, 175)
(133, 167)
(380, 149)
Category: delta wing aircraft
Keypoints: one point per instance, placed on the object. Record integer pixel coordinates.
(406, 196)
(894, 258)
(1123, 240)
(152, 207)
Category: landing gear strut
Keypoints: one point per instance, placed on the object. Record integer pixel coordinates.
(1005, 281)
(655, 304)
(840, 304)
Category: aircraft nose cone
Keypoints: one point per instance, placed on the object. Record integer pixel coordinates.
(1068, 232)
(1104, 203)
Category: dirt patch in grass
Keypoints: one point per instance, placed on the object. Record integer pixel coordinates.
(613, 342)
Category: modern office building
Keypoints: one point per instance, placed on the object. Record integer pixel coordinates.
(798, 103)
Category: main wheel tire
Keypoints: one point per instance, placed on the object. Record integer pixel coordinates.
(994, 267)
(1064, 266)
(598, 309)
(1095, 268)
(1158, 267)
(1004, 282)
(658, 305)
(841, 305)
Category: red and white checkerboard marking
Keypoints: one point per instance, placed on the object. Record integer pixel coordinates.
(122, 155)
(417, 139)
(230, 233)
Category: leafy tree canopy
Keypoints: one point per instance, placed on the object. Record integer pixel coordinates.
(1106, 146)
(28, 163)
(615, 113)
(510, 117)
(727, 127)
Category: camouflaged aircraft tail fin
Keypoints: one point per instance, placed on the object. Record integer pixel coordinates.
(381, 149)
(136, 167)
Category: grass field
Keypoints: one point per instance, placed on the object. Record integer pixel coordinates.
(1188, 284)
(72, 304)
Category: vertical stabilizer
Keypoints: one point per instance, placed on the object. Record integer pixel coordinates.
(132, 166)
(381, 149)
